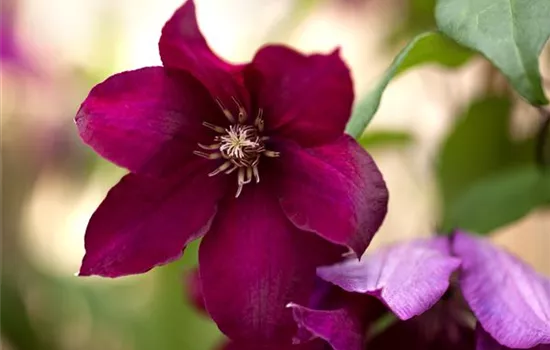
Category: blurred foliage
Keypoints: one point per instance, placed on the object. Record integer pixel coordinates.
(426, 48)
(500, 199)
(418, 17)
(478, 160)
(17, 326)
(509, 33)
(172, 323)
(385, 138)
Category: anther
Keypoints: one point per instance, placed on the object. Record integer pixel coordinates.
(242, 112)
(210, 147)
(221, 168)
(256, 173)
(232, 169)
(259, 122)
(225, 111)
(239, 190)
(248, 175)
(214, 127)
(216, 155)
(271, 154)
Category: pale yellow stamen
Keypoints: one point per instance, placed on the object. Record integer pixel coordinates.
(221, 168)
(216, 128)
(259, 122)
(240, 145)
(271, 154)
(226, 111)
(210, 147)
(208, 155)
(243, 116)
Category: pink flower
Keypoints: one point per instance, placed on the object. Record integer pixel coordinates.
(252, 157)
(505, 299)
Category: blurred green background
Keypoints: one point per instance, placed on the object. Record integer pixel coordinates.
(456, 147)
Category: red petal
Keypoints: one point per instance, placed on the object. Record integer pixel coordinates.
(252, 263)
(182, 46)
(313, 345)
(335, 191)
(305, 98)
(144, 222)
(148, 120)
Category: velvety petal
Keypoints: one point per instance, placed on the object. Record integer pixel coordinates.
(144, 222)
(408, 277)
(306, 98)
(193, 287)
(510, 300)
(341, 328)
(182, 46)
(334, 190)
(253, 262)
(148, 120)
(484, 341)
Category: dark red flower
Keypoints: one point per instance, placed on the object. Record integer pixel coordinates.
(199, 132)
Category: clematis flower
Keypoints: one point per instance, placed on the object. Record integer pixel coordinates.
(509, 300)
(251, 157)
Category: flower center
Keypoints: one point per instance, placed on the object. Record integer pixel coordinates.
(241, 145)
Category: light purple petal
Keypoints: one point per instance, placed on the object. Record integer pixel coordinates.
(408, 277)
(144, 222)
(510, 300)
(335, 190)
(148, 120)
(253, 262)
(182, 46)
(341, 328)
(484, 341)
(306, 98)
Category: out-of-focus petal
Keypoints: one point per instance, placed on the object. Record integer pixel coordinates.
(416, 334)
(312, 345)
(510, 300)
(148, 120)
(484, 341)
(193, 287)
(253, 262)
(341, 328)
(144, 222)
(335, 190)
(182, 46)
(408, 277)
(306, 98)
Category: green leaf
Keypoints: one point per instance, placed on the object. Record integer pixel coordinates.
(499, 200)
(478, 146)
(383, 138)
(173, 323)
(510, 33)
(418, 17)
(429, 47)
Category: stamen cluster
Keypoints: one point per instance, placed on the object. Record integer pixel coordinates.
(241, 145)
